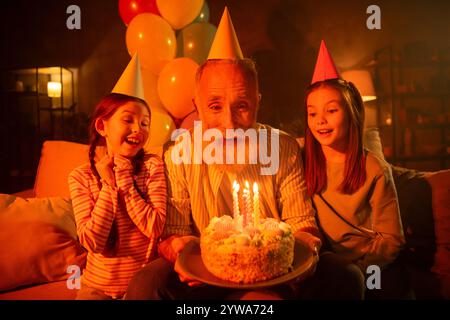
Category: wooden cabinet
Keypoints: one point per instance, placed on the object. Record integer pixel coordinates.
(413, 89)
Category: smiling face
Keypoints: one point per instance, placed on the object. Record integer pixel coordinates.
(328, 118)
(226, 98)
(127, 130)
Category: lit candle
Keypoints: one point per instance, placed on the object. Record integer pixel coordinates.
(244, 212)
(248, 212)
(256, 204)
(235, 200)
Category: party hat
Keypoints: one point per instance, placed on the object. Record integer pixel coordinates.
(325, 68)
(130, 82)
(225, 44)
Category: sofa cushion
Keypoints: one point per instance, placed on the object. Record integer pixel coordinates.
(58, 159)
(57, 290)
(414, 197)
(57, 211)
(440, 186)
(424, 200)
(37, 241)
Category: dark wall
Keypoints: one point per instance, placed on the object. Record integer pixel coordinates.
(281, 35)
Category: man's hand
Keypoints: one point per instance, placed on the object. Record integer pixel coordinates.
(185, 278)
(169, 250)
(172, 246)
(105, 170)
(313, 242)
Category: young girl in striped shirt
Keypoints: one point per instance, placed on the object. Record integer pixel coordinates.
(119, 200)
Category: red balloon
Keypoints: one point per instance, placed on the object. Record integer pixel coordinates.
(128, 9)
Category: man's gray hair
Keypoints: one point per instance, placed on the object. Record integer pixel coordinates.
(247, 65)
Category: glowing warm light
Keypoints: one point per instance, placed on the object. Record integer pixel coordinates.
(167, 127)
(133, 5)
(202, 15)
(169, 41)
(54, 89)
(255, 204)
(140, 35)
(362, 79)
(368, 98)
(190, 45)
(251, 213)
(235, 199)
(245, 213)
(173, 79)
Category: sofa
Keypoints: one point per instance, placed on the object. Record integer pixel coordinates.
(38, 241)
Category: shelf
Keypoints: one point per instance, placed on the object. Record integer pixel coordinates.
(428, 126)
(27, 93)
(413, 91)
(65, 109)
(27, 107)
(421, 158)
(418, 126)
(413, 95)
(413, 64)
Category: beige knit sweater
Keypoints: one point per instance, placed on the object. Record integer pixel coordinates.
(373, 208)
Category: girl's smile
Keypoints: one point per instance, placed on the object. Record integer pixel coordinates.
(328, 119)
(127, 130)
(325, 132)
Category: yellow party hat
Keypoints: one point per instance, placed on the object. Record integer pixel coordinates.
(225, 44)
(130, 82)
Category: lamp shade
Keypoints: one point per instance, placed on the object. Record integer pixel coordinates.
(362, 79)
(54, 89)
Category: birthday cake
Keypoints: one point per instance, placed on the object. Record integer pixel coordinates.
(247, 253)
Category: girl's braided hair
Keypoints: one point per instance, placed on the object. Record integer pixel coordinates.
(104, 110)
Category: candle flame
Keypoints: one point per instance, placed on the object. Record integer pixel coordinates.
(235, 186)
(247, 186)
(255, 187)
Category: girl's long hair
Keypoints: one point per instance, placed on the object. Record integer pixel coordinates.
(104, 110)
(355, 160)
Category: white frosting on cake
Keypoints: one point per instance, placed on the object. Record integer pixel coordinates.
(247, 254)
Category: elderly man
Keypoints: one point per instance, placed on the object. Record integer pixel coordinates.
(227, 97)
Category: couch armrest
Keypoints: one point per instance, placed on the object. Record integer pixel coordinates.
(25, 193)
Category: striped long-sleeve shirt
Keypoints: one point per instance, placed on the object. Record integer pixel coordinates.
(195, 196)
(139, 215)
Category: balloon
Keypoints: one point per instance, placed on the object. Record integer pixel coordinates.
(195, 40)
(161, 127)
(188, 122)
(176, 85)
(154, 39)
(179, 13)
(150, 82)
(128, 9)
(203, 16)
